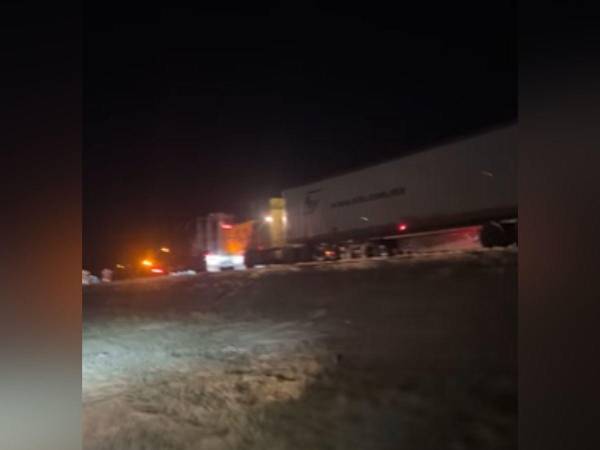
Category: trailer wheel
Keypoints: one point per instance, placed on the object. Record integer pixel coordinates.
(368, 250)
(317, 253)
(494, 235)
(290, 255)
(512, 234)
(250, 259)
(391, 247)
(305, 253)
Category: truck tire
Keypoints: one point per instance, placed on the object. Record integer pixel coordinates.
(368, 250)
(250, 259)
(512, 234)
(494, 235)
(390, 247)
(306, 253)
(372, 250)
(289, 255)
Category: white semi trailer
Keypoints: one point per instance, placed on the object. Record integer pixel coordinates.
(472, 181)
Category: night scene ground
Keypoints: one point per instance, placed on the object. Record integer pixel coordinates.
(358, 287)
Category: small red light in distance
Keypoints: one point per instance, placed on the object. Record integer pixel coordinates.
(226, 226)
(402, 227)
(156, 270)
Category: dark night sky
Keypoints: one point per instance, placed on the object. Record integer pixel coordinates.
(188, 111)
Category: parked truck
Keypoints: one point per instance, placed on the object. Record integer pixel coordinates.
(367, 212)
(221, 242)
(377, 210)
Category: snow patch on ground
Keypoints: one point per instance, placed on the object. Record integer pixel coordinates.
(414, 352)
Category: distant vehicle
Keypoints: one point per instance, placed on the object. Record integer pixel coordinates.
(107, 275)
(181, 273)
(122, 272)
(149, 267)
(222, 242)
(88, 278)
(153, 271)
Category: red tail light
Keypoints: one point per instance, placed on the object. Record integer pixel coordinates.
(402, 227)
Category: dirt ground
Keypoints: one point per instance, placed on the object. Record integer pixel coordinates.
(398, 353)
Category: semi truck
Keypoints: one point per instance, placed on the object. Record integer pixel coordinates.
(221, 242)
(375, 210)
(371, 211)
